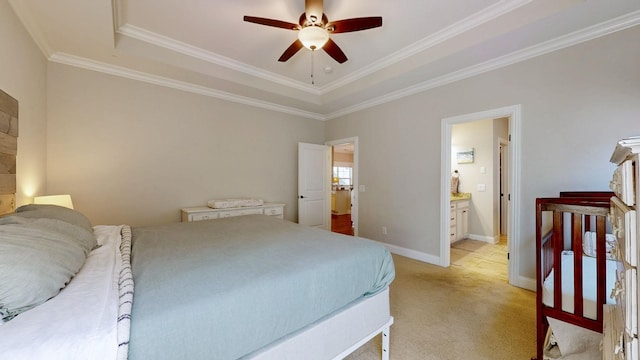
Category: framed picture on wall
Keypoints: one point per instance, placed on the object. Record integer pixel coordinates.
(464, 156)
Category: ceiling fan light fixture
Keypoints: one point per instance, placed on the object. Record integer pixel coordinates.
(313, 37)
(314, 27)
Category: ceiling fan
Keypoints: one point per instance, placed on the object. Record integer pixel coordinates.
(314, 28)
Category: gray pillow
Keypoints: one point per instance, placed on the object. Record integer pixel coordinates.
(55, 212)
(35, 264)
(80, 235)
(37, 211)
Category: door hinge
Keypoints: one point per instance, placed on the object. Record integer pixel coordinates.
(509, 197)
(507, 256)
(509, 137)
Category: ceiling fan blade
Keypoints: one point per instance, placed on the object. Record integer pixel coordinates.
(355, 24)
(291, 50)
(334, 51)
(272, 22)
(313, 10)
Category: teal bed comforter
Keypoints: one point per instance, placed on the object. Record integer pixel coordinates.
(222, 289)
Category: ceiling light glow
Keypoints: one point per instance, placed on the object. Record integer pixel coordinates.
(313, 37)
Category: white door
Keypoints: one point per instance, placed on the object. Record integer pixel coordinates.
(314, 185)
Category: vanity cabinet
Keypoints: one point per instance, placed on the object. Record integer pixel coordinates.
(459, 220)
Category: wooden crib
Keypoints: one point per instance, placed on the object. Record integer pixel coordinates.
(562, 226)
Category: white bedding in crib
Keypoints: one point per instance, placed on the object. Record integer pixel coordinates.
(588, 284)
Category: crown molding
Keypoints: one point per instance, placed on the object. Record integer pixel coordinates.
(119, 71)
(210, 57)
(470, 22)
(623, 22)
(449, 32)
(574, 38)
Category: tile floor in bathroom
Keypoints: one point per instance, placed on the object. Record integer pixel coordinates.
(490, 259)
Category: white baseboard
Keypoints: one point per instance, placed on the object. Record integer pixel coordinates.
(484, 238)
(526, 283)
(413, 254)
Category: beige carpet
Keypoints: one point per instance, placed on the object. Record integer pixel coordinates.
(466, 311)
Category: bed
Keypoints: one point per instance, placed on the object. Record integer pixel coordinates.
(247, 287)
(242, 287)
(575, 268)
(253, 287)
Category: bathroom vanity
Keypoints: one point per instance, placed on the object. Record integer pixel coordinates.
(459, 216)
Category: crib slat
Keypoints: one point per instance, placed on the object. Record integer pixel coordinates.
(541, 273)
(558, 245)
(601, 266)
(577, 233)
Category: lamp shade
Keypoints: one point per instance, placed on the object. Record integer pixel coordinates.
(313, 37)
(60, 200)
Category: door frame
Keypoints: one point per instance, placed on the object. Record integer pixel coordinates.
(355, 194)
(515, 119)
(503, 144)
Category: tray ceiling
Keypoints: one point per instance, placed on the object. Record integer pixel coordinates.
(205, 47)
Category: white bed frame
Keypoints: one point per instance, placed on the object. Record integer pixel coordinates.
(338, 335)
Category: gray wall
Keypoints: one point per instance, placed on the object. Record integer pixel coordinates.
(576, 103)
(135, 153)
(23, 76)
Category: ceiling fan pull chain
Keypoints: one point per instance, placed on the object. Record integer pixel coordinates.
(313, 81)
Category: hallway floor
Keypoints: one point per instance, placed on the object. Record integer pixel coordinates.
(341, 224)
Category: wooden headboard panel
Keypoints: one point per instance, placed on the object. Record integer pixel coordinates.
(8, 152)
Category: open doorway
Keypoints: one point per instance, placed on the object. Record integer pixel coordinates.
(344, 170)
(476, 238)
(478, 185)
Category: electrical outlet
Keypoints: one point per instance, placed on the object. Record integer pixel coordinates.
(384, 230)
